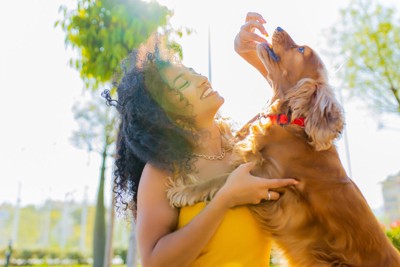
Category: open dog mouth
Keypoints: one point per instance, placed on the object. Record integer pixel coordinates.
(271, 52)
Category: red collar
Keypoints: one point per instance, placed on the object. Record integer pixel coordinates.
(283, 119)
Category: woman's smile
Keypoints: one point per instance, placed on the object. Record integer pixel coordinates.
(207, 92)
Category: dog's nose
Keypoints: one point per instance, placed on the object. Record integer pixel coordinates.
(279, 29)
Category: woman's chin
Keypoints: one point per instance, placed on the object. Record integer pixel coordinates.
(221, 102)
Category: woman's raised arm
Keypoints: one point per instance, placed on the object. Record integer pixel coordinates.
(246, 40)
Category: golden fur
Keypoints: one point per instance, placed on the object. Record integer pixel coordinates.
(324, 220)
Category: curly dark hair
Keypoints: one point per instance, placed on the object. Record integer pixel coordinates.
(148, 130)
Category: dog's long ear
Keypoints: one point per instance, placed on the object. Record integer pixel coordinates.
(323, 115)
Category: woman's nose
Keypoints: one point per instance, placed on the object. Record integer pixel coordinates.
(202, 79)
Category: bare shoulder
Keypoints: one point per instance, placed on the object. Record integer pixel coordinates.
(152, 201)
(153, 179)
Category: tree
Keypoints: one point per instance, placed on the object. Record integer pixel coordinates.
(105, 31)
(97, 133)
(394, 234)
(367, 41)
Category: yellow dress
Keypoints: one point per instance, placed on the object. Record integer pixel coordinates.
(238, 242)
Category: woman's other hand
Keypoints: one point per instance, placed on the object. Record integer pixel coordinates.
(246, 40)
(243, 188)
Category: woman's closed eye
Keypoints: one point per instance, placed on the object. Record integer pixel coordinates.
(182, 84)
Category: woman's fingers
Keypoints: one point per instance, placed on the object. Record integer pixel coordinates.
(276, 183)
(255, 16)
(253, 24)
(247, 39)
(250, 37)
(268, 183)
(242, 187)
(272, 195)
(248, 166)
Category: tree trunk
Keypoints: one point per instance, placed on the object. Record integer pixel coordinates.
(131, 258)
(99, 233)
(110, 232)
(82, 245)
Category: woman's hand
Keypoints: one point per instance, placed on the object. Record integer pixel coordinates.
(246, 40)
(243, 188)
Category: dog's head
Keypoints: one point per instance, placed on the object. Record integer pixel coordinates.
(287, 62)
(300, 82)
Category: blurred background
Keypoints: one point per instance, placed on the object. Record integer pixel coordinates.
(56, 138)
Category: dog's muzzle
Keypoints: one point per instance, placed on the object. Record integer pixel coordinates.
(271, 52)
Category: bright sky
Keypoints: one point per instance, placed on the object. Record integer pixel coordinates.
(39, 89)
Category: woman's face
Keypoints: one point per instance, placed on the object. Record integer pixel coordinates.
(196, 89)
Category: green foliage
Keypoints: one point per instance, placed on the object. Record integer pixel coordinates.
(394, 236)
(96, 124)
(105, 31)
(26, 254)
(122, 253)
(367, 40)
(47, 257)
(97, 132)
(32, 218)
(76, 256)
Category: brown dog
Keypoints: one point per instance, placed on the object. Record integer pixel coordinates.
(324, 220)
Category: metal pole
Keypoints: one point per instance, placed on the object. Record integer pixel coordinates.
(47, 221)
(209, 55)
(345, 137)
(14, 236)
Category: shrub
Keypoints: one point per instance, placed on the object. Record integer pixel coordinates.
(394, 236)
(122, 253)
(76, 256)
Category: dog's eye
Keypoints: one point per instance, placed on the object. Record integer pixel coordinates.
(301, 49)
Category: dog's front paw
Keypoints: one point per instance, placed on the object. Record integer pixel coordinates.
(181, 194)
(178, 198)
(180, 191)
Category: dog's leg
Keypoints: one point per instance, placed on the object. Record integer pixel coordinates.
(187, 195)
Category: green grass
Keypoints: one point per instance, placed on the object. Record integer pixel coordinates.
(71, 265)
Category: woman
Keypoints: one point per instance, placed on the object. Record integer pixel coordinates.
(168, 132)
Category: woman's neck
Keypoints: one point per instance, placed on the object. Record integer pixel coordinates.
(210, 142)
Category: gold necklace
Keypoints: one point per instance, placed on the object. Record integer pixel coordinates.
(208, 157)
